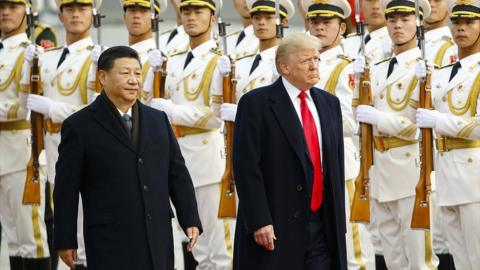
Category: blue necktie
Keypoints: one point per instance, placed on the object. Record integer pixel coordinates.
(63, 56)
(128, 121)
(256, 62)
(189, 59)
(392, 63)
(455, 70)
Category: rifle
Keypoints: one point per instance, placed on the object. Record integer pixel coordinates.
(228, 205)
(31, 192)
(159, 76)
(360, 211)
(97, 23)
(278, 20)
(421, 208)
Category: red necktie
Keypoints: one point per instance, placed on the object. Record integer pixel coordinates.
(311, 136)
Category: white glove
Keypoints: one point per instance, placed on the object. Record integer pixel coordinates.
(29, 53)
(368, 114)
(421, 68)
(162, 104)
(228, 112)
(387, 47)
(224, 65)
(95, 54)
(427, 118)
(359, 65)
(39, 104)
(155, 59)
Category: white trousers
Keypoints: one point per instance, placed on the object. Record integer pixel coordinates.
(403, 247)
(23, 225)
(462, 223)
(214, 249)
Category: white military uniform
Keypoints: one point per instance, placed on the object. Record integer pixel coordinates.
(397, 151)
(247, 46)
(439, 46)
(179, 42)
(202, 146)
(374, 51)
(66, 86)
(23, 225)
(351, 44)
(142, 48)
(336, 77)
(458, 159)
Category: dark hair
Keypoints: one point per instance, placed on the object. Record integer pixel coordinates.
(108, 57)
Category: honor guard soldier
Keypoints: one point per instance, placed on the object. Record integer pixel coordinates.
(244, 42)
(23, 225)
(64, 74)
(327, 22)
(255, 70)
(187, 104)
(175, 39)
(378, 45)
(395, 92)
(439, 46)
(456, 95)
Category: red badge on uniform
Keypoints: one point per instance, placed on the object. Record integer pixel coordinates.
(453, 59)
(351, 80)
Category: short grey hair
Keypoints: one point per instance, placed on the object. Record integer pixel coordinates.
(294, 43)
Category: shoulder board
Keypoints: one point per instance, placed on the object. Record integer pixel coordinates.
(25, 44)
(352, 35)
(55, 48)
(449, 65)
(177, 52)
(90, 47)
(233, 33)
(245, 56)
(447, 38)
(344, 57)
(216, 51)
(384, 60)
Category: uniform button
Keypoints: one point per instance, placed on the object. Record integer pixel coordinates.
(299, 188)
(145, 187)
(470, 160)
(296, 214)
(149, 217)
(140, 161)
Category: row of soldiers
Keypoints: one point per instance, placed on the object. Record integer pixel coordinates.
(195, 66)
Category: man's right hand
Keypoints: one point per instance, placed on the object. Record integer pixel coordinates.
(224, 66)
(265, 236)
(68, 256)
(29, 54)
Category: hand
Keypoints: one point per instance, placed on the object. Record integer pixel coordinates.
(387, 47)
(421, 68)
(359, 65)
(95, 54)
(228, 112)
(427, 118)
(224, 65)
(368, 114)
(265, 236)
(192, 234)
(68, 256)
(29, 54)
(155, 58)
(39, 104)
(162, 104)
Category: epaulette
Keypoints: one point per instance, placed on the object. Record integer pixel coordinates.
(449, 65)
(90, 47)
(54, 48)
(384, 60)
(175, 52)
(233, 33)
(344, 57)
(216, 51)
(448, 39)
(245, 56)
(24, 44)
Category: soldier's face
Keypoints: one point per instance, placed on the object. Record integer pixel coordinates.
(196, 21)
(373, 13)
(401, 28)
(11, 16)
(241, 8)
(438, 11)
(264, 25)
(465, 32)
(301, 68)
(328, 30)
(123, 81)
(76, 18)
(137, 20)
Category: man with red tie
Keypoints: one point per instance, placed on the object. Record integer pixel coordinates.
(289, 169)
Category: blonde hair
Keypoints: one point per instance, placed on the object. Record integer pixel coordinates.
(294, 43)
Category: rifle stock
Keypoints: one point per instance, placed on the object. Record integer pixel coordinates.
(360, 210)
(159, 78)
(421, 208)
(228, 205)
(31, 192)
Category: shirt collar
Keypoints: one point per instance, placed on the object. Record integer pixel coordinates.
(292, 91)
(78, 46)
(248, 30)
(143, 45)
(331, 53)
(470, 60)
(268, 53)
(203, 48)
(437, 33)
(408, 55)
(14, 40)
(129, 112)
